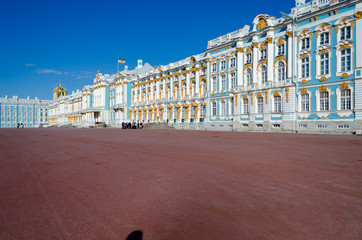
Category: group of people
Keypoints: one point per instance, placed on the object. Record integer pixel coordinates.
(20, 125)
(132, 125)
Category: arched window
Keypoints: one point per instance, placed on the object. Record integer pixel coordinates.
(249, 77)
(281, 71)
(264, 74)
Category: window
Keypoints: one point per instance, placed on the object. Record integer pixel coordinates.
(248, 58)
(324, 101)
(324, 64)
(214, 108)
(345, 99)
(281, 50)
(193, 112)
(277, 104)
(305, 44)
(324, 39)
(214, 67)
(305, 67)
(202, 111)
(175, 113)
(246, 106)
(223, 108)
(249, 77)
(168, 113)
(260, 105)
(214, 84)
(232, 106)
(305, 102)
(346, 33)
(232, 62)
(263, 54)
(264, 74)
(281, 71)
(223, 65)
(183, 112)
(233, 80)
(223, 82)
(346, 60)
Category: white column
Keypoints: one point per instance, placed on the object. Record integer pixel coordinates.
(270, 59)
(187, 91)
(255, 63)
(240, 66)
(290, 57)
(197, 87)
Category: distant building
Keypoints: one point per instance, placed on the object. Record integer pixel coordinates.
(300, 72)
(29, 112)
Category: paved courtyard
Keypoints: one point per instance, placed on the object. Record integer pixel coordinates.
(108, 183)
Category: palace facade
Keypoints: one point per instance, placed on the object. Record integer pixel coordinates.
(300, 72)
(28, 112)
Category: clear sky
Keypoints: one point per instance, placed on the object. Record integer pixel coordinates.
(44, 42)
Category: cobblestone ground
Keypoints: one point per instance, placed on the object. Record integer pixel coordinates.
(108, 183)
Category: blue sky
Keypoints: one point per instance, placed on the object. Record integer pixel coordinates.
(44, 42)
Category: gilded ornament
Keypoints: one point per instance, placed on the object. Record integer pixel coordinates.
(254, 44)
(266, 96)
(323, 51)
(303, 91)
(252, 98)
(262, 46)
(289, 34)
(245, 96)
(248, 50)
(344, 75)
(323, 88)
(276, 93)
(287, 92)
(261, 24)
(358, 15)
(324, 78)
(259, 94)
(269, 40)
(280, 41)
(344, 46)
(344, 86)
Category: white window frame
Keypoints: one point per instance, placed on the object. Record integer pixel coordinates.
(214, 108)
(277, 105)
(264, 74)
(249, 77)
(339, 98)
(223, 108)
(260, 105)
(246, 106)
(281, 71)
(232, 80)
(307, 103)
(223, 83)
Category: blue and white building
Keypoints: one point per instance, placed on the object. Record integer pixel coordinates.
(28, 112)
(299, 72)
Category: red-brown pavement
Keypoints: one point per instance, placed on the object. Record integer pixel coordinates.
(106, 183)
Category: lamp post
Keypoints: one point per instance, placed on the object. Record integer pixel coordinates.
(294, 61)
